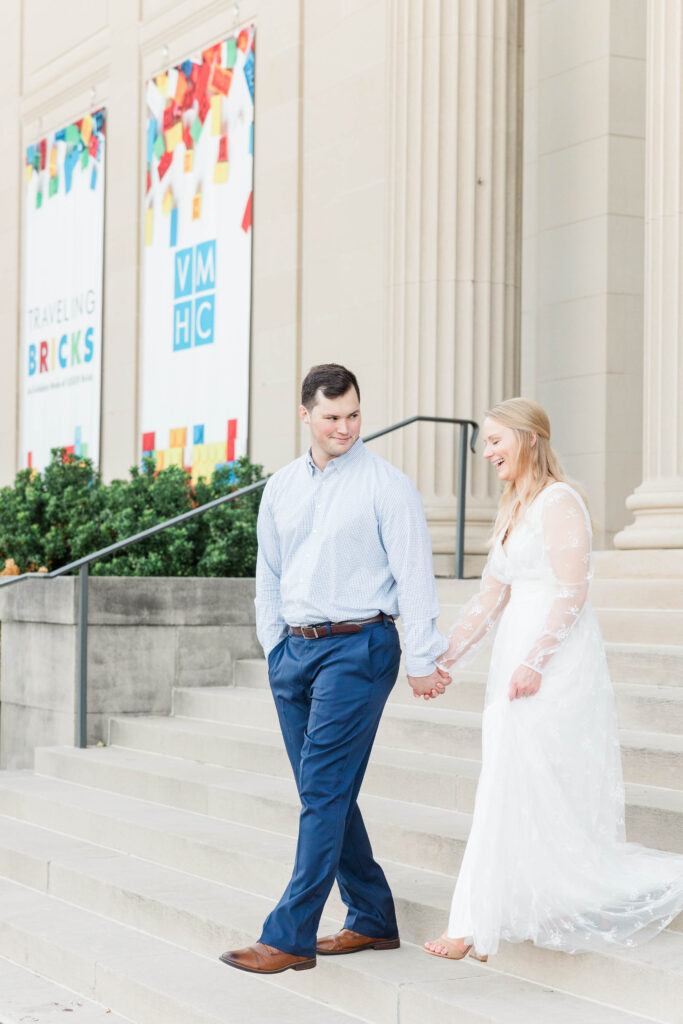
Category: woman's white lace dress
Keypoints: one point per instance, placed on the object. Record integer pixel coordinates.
(546, 858)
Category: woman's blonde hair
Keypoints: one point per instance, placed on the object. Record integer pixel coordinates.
(538, 462)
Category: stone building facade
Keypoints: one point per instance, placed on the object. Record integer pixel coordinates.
(463, 200)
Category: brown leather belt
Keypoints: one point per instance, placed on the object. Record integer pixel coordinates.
(334, 628)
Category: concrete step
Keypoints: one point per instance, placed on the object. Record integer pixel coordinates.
(646, 664)
(652, 758)
(213, 849)
(496, 999)
(650, 708)
(433, 779)
(431, 837)
(419, 726)
(138, 975)
(653, 708)
(198, 841)
(209, 917)
(26, 997)
(208, 847)
(640, 565)
(641, 625)
(649, 758)
(604, 593)
(205, 916)
(642, 664)
(428, 837)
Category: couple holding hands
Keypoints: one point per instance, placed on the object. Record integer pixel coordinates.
(343, 550)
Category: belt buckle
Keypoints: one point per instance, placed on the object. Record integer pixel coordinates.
(313, 630)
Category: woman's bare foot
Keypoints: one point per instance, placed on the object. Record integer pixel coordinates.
(449, 949)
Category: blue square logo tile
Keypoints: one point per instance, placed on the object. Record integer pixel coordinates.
(205, 267)
(182, 326)
(194, 284)
(184, 273)
(203, 319)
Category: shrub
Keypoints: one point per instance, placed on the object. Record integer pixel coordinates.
(67, 512)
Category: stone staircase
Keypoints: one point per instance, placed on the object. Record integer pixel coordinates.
(126, 870)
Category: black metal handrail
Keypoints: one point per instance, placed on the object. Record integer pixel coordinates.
(82, 564)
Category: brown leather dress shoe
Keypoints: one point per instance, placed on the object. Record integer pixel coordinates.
(347, 941)
(263, 959)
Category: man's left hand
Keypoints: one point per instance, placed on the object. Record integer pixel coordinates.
(430, 686)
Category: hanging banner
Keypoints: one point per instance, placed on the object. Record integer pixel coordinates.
(61, 358)
(199, 142)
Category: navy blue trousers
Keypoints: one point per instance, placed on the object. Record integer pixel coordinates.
(330, 694)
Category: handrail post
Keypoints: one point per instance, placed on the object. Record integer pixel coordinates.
(460, 513)
(82, 633)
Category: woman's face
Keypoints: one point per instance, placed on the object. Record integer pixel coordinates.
(502, 449)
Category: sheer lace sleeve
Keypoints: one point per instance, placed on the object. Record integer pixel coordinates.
(477, 619)
(567, 540)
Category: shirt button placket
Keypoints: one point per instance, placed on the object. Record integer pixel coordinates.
(318, 507)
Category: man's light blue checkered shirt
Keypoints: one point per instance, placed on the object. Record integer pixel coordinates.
(344, 544)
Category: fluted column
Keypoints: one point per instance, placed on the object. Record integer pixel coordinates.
(658, 502)
(453, 237)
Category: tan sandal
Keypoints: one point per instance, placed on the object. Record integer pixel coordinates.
(453, 953)
(481, 959)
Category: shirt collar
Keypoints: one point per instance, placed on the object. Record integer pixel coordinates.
(355, 452)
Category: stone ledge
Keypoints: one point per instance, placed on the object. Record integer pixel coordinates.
(133, 600)
(146, 635)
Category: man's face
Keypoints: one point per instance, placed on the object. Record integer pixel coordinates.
(334, 424)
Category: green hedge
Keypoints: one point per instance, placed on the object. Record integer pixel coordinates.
(51, 518)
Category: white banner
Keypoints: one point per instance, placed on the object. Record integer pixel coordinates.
(61, 357)
(197, 259)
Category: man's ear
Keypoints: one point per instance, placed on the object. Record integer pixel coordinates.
(303, 414)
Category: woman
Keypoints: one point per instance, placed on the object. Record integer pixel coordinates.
(546, 858)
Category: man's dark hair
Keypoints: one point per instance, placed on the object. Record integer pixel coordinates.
(330, 378)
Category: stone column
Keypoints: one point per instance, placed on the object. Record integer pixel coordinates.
(453, 241)
(658, 502)
(11, 198)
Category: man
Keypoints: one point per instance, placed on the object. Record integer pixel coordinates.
(343, 548)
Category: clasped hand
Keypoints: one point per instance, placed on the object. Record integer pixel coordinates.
(430, 686)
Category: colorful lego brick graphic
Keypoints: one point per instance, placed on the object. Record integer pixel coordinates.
(197, 230)
(206, 458)
(61, 313)
(61, 154)
(232, 436)
(246, 219)
(187, 103)
(178, 438)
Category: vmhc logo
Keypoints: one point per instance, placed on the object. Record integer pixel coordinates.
(194, 293)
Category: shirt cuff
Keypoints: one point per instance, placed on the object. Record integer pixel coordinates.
(424, 666)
